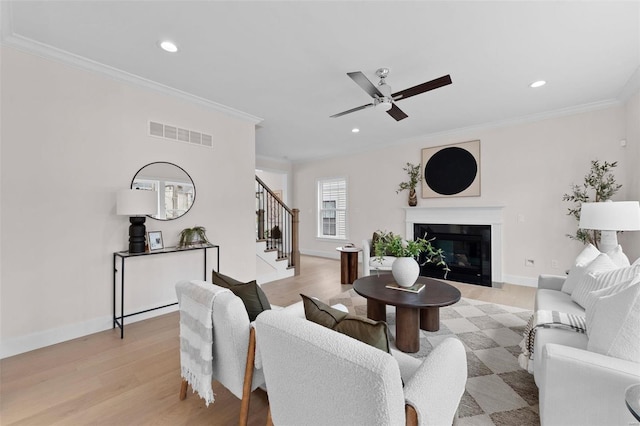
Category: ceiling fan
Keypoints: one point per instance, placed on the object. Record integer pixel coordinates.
(382, 96)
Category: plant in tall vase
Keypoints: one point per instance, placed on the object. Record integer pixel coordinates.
(414, 178)
(601, 184)
(405, 268)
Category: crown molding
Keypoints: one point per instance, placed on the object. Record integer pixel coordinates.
(563, 112)
(547, 115)
(25, 44)
(631, 87)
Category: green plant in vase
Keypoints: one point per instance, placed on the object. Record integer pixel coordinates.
(405, 268)
(414, 177)
(192, 236)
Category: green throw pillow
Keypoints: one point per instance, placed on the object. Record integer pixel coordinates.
(374, 240)
(374, 333)
(321, 313)
(254, 299)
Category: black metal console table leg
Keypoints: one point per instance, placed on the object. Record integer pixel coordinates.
(115, 271)
(122, 299)
(118, 320)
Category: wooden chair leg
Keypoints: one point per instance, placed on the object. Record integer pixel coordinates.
(248, 379)
(269, 419)
(183, 390)
(411, 415)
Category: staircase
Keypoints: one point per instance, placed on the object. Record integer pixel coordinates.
(277, 252)
(268, 266)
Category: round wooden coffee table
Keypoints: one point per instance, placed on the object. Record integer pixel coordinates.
(414, 311)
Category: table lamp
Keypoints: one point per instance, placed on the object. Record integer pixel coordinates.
(136, 204)
(608, 218)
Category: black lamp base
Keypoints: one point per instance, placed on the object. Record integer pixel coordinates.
(137, 232)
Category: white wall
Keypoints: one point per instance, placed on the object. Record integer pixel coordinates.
(280, 167)
(70, 139)
(525, 167)
(631, 160)
(276, 181)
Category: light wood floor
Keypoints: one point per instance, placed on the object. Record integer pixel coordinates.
(103, 380)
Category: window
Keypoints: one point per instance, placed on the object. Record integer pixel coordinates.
(332, 208)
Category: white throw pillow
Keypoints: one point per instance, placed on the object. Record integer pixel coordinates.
(586, 256)
(600, 264)
(594, 296)
(618, 257)
(593, 281)
(616, 325)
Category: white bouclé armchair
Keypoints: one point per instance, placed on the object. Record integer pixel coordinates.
(372, 263)
(317, 376)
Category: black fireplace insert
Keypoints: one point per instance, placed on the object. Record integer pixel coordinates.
(467, 251)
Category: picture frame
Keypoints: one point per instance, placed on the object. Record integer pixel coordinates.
(155, 240)
(451, 170)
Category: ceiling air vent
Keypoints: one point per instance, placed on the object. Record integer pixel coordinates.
(174, 133)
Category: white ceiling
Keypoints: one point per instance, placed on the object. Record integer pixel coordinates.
(286, 62)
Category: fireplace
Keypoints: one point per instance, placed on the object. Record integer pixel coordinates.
(467, 251)
(488, 257)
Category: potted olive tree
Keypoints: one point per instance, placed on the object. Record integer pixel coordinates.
(599, 183)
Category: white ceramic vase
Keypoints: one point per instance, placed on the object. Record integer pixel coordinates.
(405, 271)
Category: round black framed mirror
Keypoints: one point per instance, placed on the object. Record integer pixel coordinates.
(175, 188)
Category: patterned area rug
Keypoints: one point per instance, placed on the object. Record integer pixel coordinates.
(498, 392)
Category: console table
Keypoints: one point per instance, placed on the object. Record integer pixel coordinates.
(123, 255)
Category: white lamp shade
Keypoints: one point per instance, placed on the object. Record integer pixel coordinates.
(610, 216)
(136, 202)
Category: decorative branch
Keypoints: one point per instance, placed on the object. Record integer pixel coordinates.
(602, 183)
(414, 178)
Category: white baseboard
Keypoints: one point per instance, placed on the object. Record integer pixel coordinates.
(41, 339)
(325, 254)
(523, 281)
(509, 279)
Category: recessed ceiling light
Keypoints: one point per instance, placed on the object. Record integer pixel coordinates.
(355, 130)
(538, 83)
(168, 46)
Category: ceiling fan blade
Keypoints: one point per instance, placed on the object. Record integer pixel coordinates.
(351, 110)
(397, 113)
(362, 81)
(421, 88)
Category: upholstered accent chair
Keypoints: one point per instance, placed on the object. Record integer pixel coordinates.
(234, 362)
(233, 350)
(372, 263)
(316, 376)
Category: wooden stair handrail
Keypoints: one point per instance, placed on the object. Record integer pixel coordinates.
(271, 209)
(264, 185)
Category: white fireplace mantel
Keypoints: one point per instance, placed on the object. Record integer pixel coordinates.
(464, 215)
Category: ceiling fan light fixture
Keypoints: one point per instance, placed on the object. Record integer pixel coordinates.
(384, 104)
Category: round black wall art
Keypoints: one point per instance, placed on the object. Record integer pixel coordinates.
(450, 170)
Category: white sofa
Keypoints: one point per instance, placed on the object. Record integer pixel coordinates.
(577, 386)
(370, 263)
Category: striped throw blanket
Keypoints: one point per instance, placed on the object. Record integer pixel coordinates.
(546, 319)
(196, 334)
